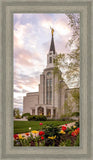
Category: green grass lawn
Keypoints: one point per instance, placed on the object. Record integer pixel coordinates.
(23, 126)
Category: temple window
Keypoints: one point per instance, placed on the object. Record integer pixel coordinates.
(50, 59)
(48, 112)
(48, 74)
(40, 111)
(33, 111)
(49, 88)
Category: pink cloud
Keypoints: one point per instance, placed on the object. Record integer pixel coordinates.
(31, 45)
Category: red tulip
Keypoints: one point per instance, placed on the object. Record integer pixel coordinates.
(41, 124)
(76, 132)
(78, 129)
(27, 134)
(41, 133)
(42, 137)
(16, 136)
(73, 134)
(64, 128)
(66, 124)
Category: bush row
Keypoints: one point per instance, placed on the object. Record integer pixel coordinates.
(37, 118)
(75, 114)
(26, 115)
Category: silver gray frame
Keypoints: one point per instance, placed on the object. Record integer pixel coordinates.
(7, 150)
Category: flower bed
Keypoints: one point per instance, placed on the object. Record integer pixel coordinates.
(49, 136)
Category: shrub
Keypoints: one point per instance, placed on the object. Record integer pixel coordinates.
(18, 117)
(52, 135)
(52, 130)
(75, 114)
(66, 119)
(77, 124)
(37, 118)
(16, 113)
(26, 115)
(68, 142)
(77, 141)
(65, 115)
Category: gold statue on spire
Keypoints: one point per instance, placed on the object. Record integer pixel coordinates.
(52, 30)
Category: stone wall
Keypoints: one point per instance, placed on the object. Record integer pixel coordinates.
(30, 101)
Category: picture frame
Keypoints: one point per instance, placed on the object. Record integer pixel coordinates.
(8, 7)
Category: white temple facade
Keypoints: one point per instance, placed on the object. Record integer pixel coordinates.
(49, 100)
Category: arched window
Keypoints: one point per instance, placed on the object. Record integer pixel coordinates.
(48, 74)
(33, 111)
(49, 88)
(48, 112)
(40, 111)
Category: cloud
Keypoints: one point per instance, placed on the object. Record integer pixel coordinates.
(62, 28)
(18, 16)
(22, 35)
(32, 37)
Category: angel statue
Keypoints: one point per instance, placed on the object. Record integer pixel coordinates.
(52, 30)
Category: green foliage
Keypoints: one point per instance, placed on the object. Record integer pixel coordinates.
(74, 65)
(18, 117)
(62, 143)
(69, 63)
(16, 113)
(51, 130)
(76, 96)
(65, 116)
(77, 141)
(68, 142)
(71, 101)
(66, 119)
(68, 129)
(77, 124)
(37, 118)
(26, 115)
(75, 114)
(69, 133)
(68, 107)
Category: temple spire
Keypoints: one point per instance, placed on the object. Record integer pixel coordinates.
(52, 46)
(52, 31)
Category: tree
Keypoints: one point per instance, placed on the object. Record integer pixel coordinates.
(70, 63)
(74, 42)
(16, 113)
(72, 102)
(76, 96)
(26, 115)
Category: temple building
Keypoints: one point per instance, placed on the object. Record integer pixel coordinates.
(49, 100)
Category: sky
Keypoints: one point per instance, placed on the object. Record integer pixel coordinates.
(32, 38)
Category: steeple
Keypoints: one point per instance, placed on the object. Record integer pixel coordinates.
(52, 53)
(52, 46)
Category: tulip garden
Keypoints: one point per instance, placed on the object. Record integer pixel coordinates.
(49, 135)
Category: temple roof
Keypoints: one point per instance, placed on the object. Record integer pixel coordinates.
(52, 46)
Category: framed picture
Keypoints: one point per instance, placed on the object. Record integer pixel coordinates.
(43, 92)
(46, 79)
